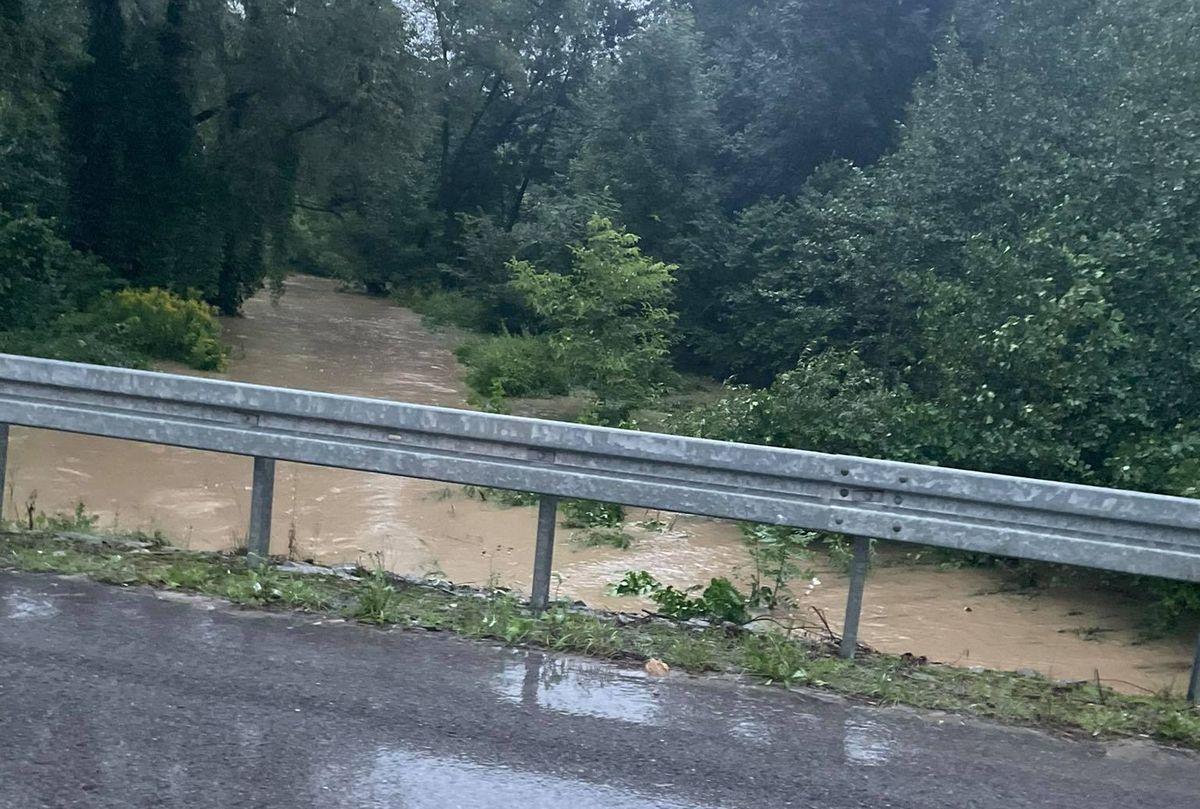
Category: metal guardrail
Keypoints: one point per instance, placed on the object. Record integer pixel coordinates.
(1108, 529)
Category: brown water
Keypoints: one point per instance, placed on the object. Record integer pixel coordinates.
(320, 339)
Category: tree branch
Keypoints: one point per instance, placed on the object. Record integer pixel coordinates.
(334, 111)
(235, 100)
(307, 206)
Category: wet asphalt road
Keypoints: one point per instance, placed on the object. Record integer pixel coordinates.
(116, 697)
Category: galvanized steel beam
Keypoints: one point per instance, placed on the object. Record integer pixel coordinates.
(854, 596)
(3, 465)
(1193, 692)
(543, 558)
(1093, 527)
(262, 501)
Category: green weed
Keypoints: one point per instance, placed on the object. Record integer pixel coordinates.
(720, 600)
(567, 631)
(690, 651)
(776, 658)
(591, 514)
(780, 555)
(376, 600)
(184, 576)
(76, 520)
(839, 551)
(604, 538)
(1180, 726)
(503, 497)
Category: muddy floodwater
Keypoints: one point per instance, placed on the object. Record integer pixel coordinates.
(318, 338)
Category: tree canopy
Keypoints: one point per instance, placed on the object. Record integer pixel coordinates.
(980, 215)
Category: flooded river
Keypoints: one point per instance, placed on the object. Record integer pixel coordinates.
(317, 338)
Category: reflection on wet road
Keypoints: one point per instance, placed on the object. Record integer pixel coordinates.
(413, 781)
(128, 698)
(557, 685)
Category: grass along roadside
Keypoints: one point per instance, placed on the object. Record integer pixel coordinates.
(375, 597)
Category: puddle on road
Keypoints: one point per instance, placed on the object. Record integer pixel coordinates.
(580, 687)
(18, 606)
(564, 686)
(317, 338)
(397, 777)
(867, 743)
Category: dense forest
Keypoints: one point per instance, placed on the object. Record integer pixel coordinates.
(948, 231)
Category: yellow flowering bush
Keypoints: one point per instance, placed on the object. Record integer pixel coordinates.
(165, 325)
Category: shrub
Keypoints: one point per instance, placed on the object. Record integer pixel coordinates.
(503, 497)
(512, 365)
(167, 326)
(41, 275)
(592, 514)
(75, 337)
(1173, 602)
(608, 319)
(719, 600)
(605, 538)
(829, 403)
(780, 555)
(446, 307)
(54, 302)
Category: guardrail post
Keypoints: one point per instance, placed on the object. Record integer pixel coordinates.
(3, 464)
(543, 555)
(858, 578)
(258, 543)
(1193, 693)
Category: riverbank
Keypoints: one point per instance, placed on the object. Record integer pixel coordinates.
(367, 346)
(1076, 707)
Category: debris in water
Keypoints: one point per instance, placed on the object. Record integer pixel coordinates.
(657, 668)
